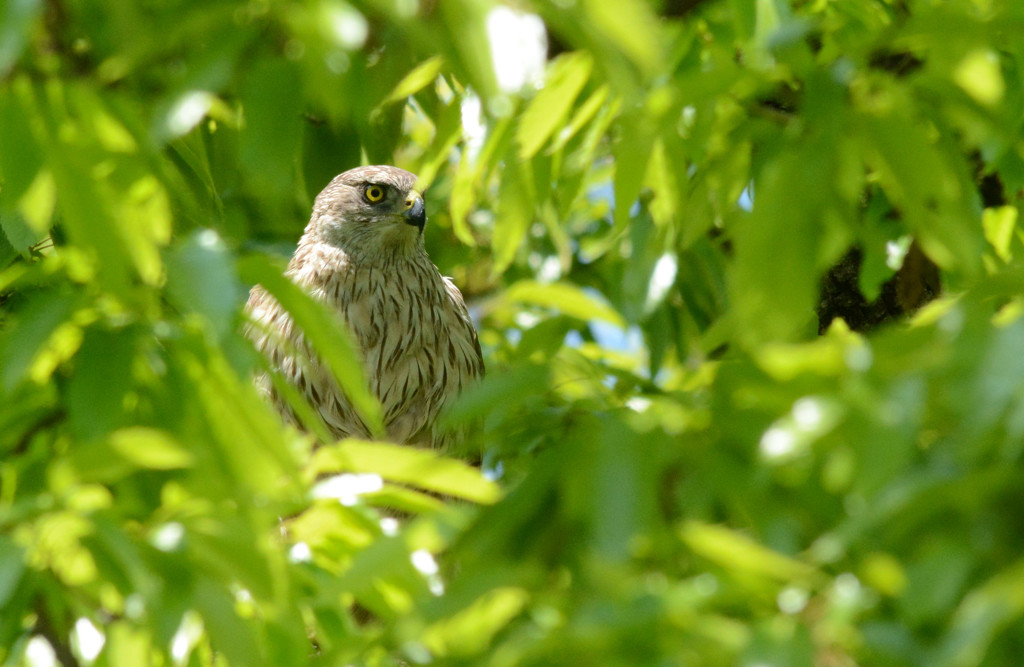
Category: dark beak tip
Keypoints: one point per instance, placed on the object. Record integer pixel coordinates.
(417, 215)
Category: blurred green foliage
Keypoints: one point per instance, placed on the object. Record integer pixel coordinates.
(639, 200)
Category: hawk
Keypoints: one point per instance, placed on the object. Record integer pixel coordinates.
(362, 254)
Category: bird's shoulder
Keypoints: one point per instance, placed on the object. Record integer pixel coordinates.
(315, 262)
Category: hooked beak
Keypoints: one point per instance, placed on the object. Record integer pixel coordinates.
(415, 212)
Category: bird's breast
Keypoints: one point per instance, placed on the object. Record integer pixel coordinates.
(411, 337)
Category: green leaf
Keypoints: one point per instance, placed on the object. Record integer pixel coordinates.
(229, 634)
(37, 204)
(584, 114)
(496, 388)
(30, 336)
(420, 467)
(8, 253)
(774, 280)
(192, 149)
(12, 566)
(17, 234)
(631, 26)
(632, 153)
(1000, 224)
(150, 448)
(126, 645)
(419, 78)
(549, 109)
(243, 436)
(88, 215)
(565, 298)
(464, 27)
(469, 175)
(201, 278)
(979, 75)
(471, 630)
(611, 490)
(514, 215)
(916, 173)
(144, 214)
(739, 554)
(987, 610)
(16, 18)
(100, 382)
(448, 132)
(271, 98)
(20, 157)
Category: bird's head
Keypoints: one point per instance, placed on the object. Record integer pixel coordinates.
(370, 210)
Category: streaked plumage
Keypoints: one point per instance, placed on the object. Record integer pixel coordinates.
(367, 260)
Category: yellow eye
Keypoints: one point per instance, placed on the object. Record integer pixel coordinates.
(373, 193)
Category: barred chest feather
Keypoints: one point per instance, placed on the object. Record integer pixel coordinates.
(417, 341)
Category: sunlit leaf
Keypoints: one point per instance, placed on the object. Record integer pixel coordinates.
(38, 203)
(548, 110)
(20, 159)
(978, 74)
(470, 631)
(583, 115)
(150, 448)
(631, 26)
(23, 343)
(126, 645)
(1000, 224)
(420, 77)
(565, 298)
(469, 174)
(736, 552)
(419, 467)
(917, 175)
(632, 153)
